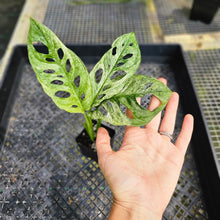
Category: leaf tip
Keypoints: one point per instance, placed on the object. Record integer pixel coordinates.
(132, 34)
(32, 21)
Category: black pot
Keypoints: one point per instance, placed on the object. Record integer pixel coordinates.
(87, 147)
(204, 10)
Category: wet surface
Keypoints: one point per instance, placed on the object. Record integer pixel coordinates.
(9, 13)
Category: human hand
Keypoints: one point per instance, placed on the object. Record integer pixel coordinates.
(143, 173)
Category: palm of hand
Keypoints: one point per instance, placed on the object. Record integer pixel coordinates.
(145, 169)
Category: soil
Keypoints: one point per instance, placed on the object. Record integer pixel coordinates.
(88, 147)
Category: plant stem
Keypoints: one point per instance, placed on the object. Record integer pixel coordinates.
(89, 127)
(99, 122)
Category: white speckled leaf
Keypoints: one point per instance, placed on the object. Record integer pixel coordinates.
(63, 76)
(116, 66)
(137, 86)
(111, 84)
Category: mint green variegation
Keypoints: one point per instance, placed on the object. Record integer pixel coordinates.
(135, 87)
(39, 32)
(126, 44)
(111, 84)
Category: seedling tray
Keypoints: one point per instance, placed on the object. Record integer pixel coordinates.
(43, 174)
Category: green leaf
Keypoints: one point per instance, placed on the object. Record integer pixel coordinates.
(117, 65)
(61, 73)
(107, 91)
(113, 110)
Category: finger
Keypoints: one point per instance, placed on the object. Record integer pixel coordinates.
(169, 119)
(103, 142)
(130, 115)
(185, 135)
(154, 103)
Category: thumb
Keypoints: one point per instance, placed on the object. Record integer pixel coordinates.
(103, 142)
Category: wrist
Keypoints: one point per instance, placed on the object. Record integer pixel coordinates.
(130, 212)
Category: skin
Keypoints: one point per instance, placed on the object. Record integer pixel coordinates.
(144, 172)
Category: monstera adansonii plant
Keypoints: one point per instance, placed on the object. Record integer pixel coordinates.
(101, 94)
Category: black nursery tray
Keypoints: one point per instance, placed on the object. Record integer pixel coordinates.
(43, 174)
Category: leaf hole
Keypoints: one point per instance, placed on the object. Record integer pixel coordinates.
(109, 104)
(100, 96)
(49, 71)
(68, 65)
(74, 106)
(60, 76)
(123, 45)
(57, 82)
(62, 94)
(120, 64)
(60, 53)
(103, 110)
(77, 81)
(93, 109)
(106, 87)
(123, 108)
(127, 56)
(83, 96)
(114, 51)
(148, 86)
(118, 75)
(98, 75)
(48, 59)
(131, 44)
(40, 47)
(145, 101)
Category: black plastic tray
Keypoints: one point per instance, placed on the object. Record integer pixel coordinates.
(168, 55)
